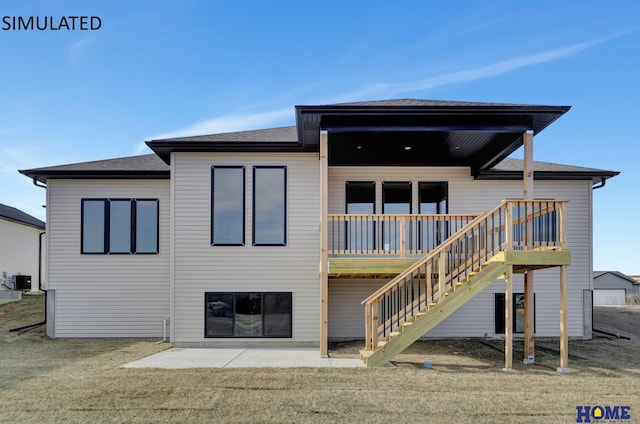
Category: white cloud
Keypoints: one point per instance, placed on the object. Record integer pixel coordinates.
(491, 70)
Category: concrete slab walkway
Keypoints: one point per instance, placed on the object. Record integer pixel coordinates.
(174, 358)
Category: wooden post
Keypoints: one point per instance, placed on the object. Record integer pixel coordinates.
(529, 308)
(403, 237)
(563, 225)
(527, 175)
(324, 239)
(564, 322)
(508, 225)
(441, 276)
(508, 319)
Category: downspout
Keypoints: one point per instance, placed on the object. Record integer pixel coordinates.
(26, 327)
(602, 183)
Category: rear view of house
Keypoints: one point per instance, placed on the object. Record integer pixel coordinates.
(386, 221)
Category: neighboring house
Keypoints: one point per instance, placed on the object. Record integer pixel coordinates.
(611, 288)
(276, 236)
(20, 240)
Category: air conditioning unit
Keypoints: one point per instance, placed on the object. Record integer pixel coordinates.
(20, 282)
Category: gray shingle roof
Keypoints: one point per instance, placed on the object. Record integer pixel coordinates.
(145, 167)
(510, 164)
(16, 215)
(281, 134)
(149, 162)
(423, 102)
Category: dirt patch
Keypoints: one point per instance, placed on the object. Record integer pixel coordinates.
(603, 355)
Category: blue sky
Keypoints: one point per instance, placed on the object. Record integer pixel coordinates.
(157, 69)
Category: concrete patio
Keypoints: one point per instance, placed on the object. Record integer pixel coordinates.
(175, 358)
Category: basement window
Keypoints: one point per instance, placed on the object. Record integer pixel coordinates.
(247, 315)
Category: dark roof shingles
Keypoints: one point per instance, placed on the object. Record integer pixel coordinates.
(12, 214)
(280, 134)
(131, 163)
(517, 165)
(424, 102)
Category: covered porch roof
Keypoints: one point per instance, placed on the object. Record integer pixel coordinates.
(410, 132)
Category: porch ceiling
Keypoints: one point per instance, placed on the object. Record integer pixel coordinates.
(423, 134)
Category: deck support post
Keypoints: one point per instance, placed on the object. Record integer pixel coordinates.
(508, 319)
(564, 322)
(529, 308)
(324, 240)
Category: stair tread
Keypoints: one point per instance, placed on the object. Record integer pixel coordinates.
(393, 334)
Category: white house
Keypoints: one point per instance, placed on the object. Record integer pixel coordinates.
(276, 236)
(20, 240)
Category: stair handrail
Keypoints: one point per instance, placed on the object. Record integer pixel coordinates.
(420, 262)
(511, 236)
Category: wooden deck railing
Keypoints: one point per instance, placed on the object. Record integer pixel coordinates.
(391, 234)
(513, 225)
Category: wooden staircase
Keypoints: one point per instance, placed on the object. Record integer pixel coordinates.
(434, 287)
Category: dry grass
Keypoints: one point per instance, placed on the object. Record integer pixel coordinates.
(80, 381)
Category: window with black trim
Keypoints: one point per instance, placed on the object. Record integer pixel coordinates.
(360, 198)
(269, 205)
(247, 314)
(432, 199)
(112, 226)
(396, 199)
(227, 205)
(517, 313)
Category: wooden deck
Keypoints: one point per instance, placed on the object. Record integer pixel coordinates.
(385, 267)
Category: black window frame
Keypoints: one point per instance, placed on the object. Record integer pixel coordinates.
(253, 205)
(384, 195)
(499, 324)
(446, 192)
(391, 231)
(107, 226)
(244, 206)
(233, 306)
(371, 243)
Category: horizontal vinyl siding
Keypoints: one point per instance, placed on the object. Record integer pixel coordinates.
(470, 196)
(200, 267)
(105, 295)
(19, 251)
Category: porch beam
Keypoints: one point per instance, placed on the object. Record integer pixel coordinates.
(527, 181)
(324, 241)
